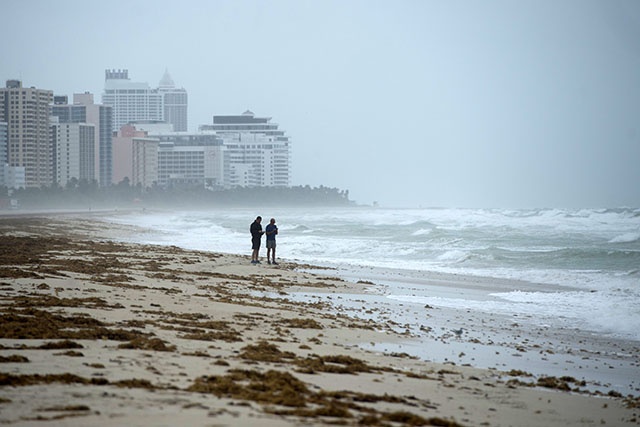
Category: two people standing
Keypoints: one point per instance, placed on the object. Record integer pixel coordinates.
(271, 231)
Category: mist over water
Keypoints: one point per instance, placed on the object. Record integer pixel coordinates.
(594, 254)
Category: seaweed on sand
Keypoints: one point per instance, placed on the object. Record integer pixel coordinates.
(283, 394)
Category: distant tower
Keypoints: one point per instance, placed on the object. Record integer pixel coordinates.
(175, 103)
(29, 139)
(131, 101)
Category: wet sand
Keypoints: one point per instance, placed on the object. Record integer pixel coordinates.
(503, 341)
(95, 332)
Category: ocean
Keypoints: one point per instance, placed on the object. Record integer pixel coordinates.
(586, 262)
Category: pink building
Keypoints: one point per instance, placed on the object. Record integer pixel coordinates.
(123, 152)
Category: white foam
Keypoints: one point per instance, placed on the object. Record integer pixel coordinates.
(421, 232)
(626, 238)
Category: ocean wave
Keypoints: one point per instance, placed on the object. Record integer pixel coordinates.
(301, 228)
(421, 232)
(626, 238)
(454, 256)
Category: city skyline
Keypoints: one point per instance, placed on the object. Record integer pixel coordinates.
(80, 143)
(419, 103)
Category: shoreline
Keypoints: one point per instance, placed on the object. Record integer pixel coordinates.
(497, 341)
(180, 314)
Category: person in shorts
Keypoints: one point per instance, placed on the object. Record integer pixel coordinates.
(271, 230)
(256, 236)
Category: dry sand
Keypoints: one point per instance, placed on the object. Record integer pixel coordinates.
(94, 332)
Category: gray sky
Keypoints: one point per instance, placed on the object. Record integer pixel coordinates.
(528, 103)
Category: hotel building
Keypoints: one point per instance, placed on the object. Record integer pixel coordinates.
(256, 153)
(190, 159)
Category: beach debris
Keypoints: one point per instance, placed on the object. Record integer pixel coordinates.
(285, 395)
(14, 358)
(146, 343)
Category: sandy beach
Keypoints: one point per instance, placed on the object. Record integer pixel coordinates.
(97, 332)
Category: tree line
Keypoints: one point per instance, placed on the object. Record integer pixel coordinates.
(82, 195)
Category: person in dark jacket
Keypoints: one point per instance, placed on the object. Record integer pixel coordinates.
(256, 236)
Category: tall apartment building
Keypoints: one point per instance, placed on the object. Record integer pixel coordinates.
(256, 152)
(74, 151)
(11, 177)
(84, 110)
(137, 102)
(131, 101)
(29, 142)
(175, 102)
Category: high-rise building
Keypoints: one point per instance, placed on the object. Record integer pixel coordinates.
(11, 177)
(83, 110)
(131, 101)
(175, 103)
(256, 152)
(29, 142)
(138, 102)
(75, 146)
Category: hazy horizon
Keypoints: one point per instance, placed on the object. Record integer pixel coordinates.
(410, 104)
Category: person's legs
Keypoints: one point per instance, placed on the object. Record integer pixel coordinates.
(269, 251)
(256, 251)
(272, 246)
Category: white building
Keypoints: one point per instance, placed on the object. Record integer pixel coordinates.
(13, 177)
(84, 110)
(190, 159)
(131, 101)
(255, 160)
(256, 152)
(74, 151)
(175, 101)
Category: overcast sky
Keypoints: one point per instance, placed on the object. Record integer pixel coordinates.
(408, 103)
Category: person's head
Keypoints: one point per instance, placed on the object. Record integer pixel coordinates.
(258, 219)
(272, 221)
